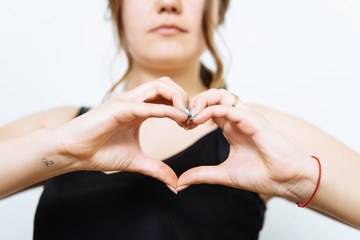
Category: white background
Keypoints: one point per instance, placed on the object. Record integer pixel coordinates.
(301, 57)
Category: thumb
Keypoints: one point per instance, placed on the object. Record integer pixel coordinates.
(203, 174)
(154, 168)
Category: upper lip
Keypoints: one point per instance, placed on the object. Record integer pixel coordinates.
(168, 25)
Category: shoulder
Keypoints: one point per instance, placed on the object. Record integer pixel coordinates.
(296, 129)
(44, 119)
(280, 119)
(268, 112)
(58, 116)
(309, 138)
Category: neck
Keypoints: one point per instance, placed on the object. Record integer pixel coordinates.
(186, 77)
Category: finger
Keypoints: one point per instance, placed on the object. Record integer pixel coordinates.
(175, 85)
(151, 110)
(203, 174)
(220, 121)
(207, 98)
(216, 97)
(154, 168)
(161, 91)
(156, 90)
(127, 112)
(248, 122)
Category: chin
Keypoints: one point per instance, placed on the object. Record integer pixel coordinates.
(176, 59)
(169, 53)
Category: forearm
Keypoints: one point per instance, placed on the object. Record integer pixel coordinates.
(338, 194)
(30, 159)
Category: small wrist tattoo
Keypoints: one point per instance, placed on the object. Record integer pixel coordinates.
(46, 162)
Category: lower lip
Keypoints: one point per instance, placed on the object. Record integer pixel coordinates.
(167, 31)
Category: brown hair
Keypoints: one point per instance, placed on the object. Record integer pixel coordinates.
(209, 78)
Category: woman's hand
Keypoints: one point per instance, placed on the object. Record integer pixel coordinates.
(260, 158)
(107, 137)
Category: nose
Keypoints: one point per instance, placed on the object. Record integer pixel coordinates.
(169, 6)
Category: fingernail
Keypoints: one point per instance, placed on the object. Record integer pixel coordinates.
(171, 188)
(192, 117)
(193, 110)
(181, 188)
(187, 109)
(188, 114)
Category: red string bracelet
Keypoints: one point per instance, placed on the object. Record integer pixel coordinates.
(302, 205)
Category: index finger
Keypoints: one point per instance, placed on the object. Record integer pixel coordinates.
(142, 111)
(248, 122)
(154, 91)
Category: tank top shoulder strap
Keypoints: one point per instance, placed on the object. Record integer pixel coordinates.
(82, 110)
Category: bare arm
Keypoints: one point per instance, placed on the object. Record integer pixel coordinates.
(270, 154)
(339, 192)
(31, 159)
(27, 143)
(45, 119)
(104, 139)
(21, 138)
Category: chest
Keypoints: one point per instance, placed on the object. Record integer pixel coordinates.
(163, 138)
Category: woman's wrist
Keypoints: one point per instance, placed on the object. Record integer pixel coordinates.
(67, 162)
(31, 159)
(301, 188)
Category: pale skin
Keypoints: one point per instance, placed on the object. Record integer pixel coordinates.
(104, 139)
(270, 150)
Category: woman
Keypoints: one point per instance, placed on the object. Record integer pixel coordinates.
(167, 41)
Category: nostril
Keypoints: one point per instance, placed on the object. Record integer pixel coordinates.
(168, 9)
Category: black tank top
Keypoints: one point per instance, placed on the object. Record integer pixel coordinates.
(123, 205)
